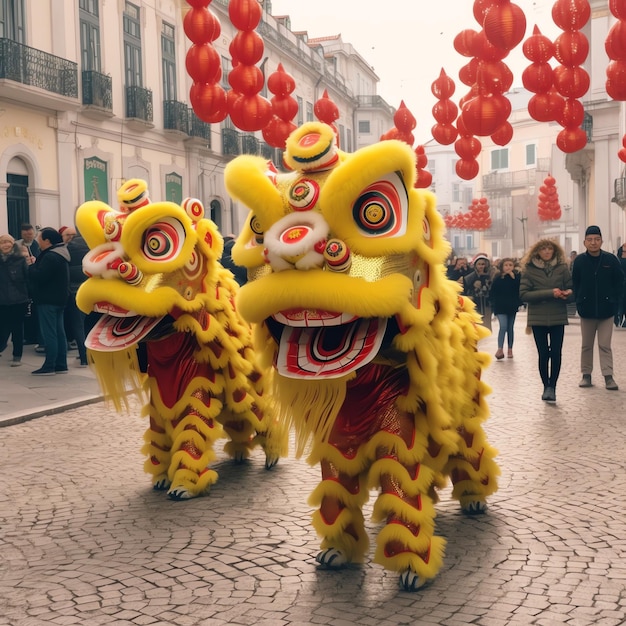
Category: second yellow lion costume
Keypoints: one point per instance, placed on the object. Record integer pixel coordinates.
(156, 280)
(374, 351)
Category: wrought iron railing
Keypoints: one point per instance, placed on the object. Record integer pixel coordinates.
(176, 116)
(97, 89)
(139, 103)
(37, 68)
(199, 128)
(249, 144)
(375, 102)
(231, 142)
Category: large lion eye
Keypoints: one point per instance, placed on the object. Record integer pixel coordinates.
(381, 209)
(163, 240)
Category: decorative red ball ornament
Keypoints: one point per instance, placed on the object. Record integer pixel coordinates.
(326, 110)
(571, 139)
(467, 169)
(503, 135)
(571, 15)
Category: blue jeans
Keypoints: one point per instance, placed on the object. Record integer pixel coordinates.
(53, 333)
(507, 322)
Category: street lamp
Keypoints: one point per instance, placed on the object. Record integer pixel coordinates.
(523, 220)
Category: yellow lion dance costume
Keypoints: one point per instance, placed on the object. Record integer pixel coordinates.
(375, 353)
(156, 279)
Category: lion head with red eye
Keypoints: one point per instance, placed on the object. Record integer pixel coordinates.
(155, 278)
(375, 353)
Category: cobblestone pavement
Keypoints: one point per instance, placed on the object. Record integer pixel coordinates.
(84, 539)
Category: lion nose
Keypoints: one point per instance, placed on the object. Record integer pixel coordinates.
(298, 241)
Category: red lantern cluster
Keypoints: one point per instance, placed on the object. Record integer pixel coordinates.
(445, 110)
(546, 105)
(615, 46)
(248, 110)
(548, 206)
(404, 122)
(424, 177)
(477, 218)
(571, 80)
(207, 97)
(284, 108)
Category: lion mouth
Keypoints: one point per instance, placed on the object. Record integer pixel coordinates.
(118, 328)
(322, 344)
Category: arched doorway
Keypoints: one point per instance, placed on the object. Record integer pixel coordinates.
(18, 208)
(216, 213)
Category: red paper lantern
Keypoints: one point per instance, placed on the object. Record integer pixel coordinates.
(503, 135)
(250, 113)
(467, 147)
(571, 82)
(284, 108)
(246, 79)
(404, 119)
(571, 139)
(573, 113)
(538, 77)
(465, 43)
(571, 14)
(280, 83)
(493, 77)
(618, 8)
(203, 63)
(445, 111)
(444, 134)
(622, 154)
(615, 44)
(467, 73)
(505, 25)
(209, 102)
(247, 47)
(571, 48)
(201, 26)
(443, 88)
(616, 80)
(244, 14)
(325, 109)
(467, 169)
(481, 7)
(538, 48)
(483, 115)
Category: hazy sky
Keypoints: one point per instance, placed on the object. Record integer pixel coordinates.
(407, 42)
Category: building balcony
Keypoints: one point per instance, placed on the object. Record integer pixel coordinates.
(499, 181)
(620, 192)
(97, 94)
(375, 102)
(199, 129)
(34, 77)
(176, 116)
(139, 106)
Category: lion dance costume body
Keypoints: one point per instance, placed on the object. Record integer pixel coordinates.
(374, 351)
(156, 279)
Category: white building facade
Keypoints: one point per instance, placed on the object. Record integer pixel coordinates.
(94, 92)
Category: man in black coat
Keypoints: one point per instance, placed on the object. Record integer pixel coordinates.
(49, 277)
(598, 286)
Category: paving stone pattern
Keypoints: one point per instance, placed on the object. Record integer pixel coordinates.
(84, 540)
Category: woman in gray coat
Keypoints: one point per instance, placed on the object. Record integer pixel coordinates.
(546, 285)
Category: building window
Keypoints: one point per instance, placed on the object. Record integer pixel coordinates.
(168, 52)
(456, 192)
(342, 136)
(132, 46)
(227, 67)
(500, 159)
(348, 146)
(300, 111)
(531, 154)
(309, 112)
(431, 167)
(469, 242)
(89, 35)
(364, 127)
(468, 192)
(12, 20)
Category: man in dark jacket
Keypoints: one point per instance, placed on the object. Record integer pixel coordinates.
(49, 277)
(598, 285)
(75, 318)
